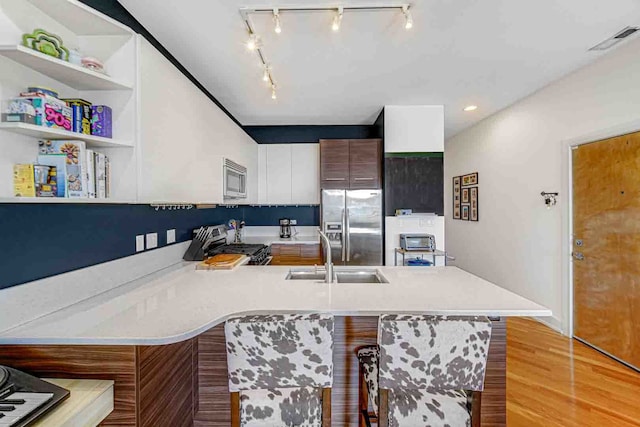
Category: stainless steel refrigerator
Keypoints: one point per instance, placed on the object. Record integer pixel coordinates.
(352, 219)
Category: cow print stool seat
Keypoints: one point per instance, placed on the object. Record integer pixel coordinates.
(425, 371)
(280, 369)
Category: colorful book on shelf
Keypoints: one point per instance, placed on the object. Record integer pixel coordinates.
(75, 164)
(59, 161)
(91, 174)
(101, 179)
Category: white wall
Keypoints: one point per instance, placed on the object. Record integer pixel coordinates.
(413, 128)
(522, 151)
(184, 137)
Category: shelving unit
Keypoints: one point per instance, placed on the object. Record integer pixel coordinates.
(65, 72)
(43, 132)
(95, 35)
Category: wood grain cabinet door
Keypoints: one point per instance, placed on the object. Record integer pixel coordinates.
(606, 246)
(334, 163)
(365, 159)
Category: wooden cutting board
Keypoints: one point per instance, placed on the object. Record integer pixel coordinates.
(222, 262)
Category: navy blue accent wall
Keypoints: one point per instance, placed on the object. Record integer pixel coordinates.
(309, 133)
(41, 240)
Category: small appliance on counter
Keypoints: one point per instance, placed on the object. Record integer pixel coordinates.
(417, 242)
(209, 241)
(24, 398)
(285, 228)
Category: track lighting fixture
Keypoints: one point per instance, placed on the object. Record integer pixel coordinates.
(337, 20)
(254, 42)
(276, 21)
(408, 18)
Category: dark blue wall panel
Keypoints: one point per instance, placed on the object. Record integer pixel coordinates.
(41, 240)
(309, 134)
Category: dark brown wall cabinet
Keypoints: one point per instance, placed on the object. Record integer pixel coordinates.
(350, 163)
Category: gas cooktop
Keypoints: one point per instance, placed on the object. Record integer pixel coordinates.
(258, 253)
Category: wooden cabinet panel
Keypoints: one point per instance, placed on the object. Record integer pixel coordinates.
(334, 163)
(364, 151)
(292, 254)
(351, 164)
(365, 160)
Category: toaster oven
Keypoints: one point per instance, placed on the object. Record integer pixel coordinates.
(417, 242)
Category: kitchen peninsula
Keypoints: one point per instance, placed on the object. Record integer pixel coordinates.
(161, 339)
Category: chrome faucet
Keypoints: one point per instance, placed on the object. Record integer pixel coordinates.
(328, 278)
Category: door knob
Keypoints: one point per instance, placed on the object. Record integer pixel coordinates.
(578, 256)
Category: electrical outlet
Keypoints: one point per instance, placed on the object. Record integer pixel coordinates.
(152, 240)
(140, 243)
(294, 222)
(171, 236)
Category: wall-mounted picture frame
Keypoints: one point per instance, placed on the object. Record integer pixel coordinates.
(470, 179)
(465, 212)
(473, 197)
(456, 197)
(465, 195)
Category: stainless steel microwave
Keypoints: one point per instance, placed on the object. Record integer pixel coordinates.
(417, 242)
(234, 180)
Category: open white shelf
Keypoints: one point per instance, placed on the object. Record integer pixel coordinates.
(65, 72)
(81, 19)
(44, 132)
(63, 200)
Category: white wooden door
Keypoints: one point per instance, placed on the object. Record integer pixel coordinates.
(305, 171)
(279, 174)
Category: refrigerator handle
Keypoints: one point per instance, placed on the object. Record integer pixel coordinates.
(348, 234)
(344, 235)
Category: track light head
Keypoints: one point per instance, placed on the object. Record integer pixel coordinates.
(254, 42)
(273, 92)
(408, 18)
(276, 21)
(337, 20)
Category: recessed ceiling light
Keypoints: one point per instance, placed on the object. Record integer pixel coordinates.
(470, 108)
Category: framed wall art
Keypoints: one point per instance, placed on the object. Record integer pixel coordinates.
(470, 179)
(465, 195)
(473, 196)
(456, 197)
(465, 212)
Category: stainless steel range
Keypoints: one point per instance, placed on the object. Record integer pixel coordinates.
(212, 240)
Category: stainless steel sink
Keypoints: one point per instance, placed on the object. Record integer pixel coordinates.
(360, 276)
(305, 275)
(341, 276)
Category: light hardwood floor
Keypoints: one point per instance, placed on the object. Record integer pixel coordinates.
(555, 381)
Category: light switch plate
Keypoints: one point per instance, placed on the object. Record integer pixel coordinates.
(152, 240)
(140, 243)
(171, 236)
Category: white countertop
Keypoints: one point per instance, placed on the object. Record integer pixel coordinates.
(179, 303)
(274, 240)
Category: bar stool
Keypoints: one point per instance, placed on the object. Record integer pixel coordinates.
(425, 371)
(280, 370)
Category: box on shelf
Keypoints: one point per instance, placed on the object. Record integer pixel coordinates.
(101, 124)
(23, 181)
(48, 111)
(81, 115)
(19, 111)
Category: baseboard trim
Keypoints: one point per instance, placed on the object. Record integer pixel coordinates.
(553, 323)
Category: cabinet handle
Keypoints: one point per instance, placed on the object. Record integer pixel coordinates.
(334, 179)
(363, 179)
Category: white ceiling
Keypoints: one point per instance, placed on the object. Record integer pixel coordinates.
(459, 52)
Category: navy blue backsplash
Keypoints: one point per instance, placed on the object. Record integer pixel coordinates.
(41, 240)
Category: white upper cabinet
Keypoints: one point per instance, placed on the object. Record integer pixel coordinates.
(279, 174)
(413, 128)
(305, 171)
(288, 174)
